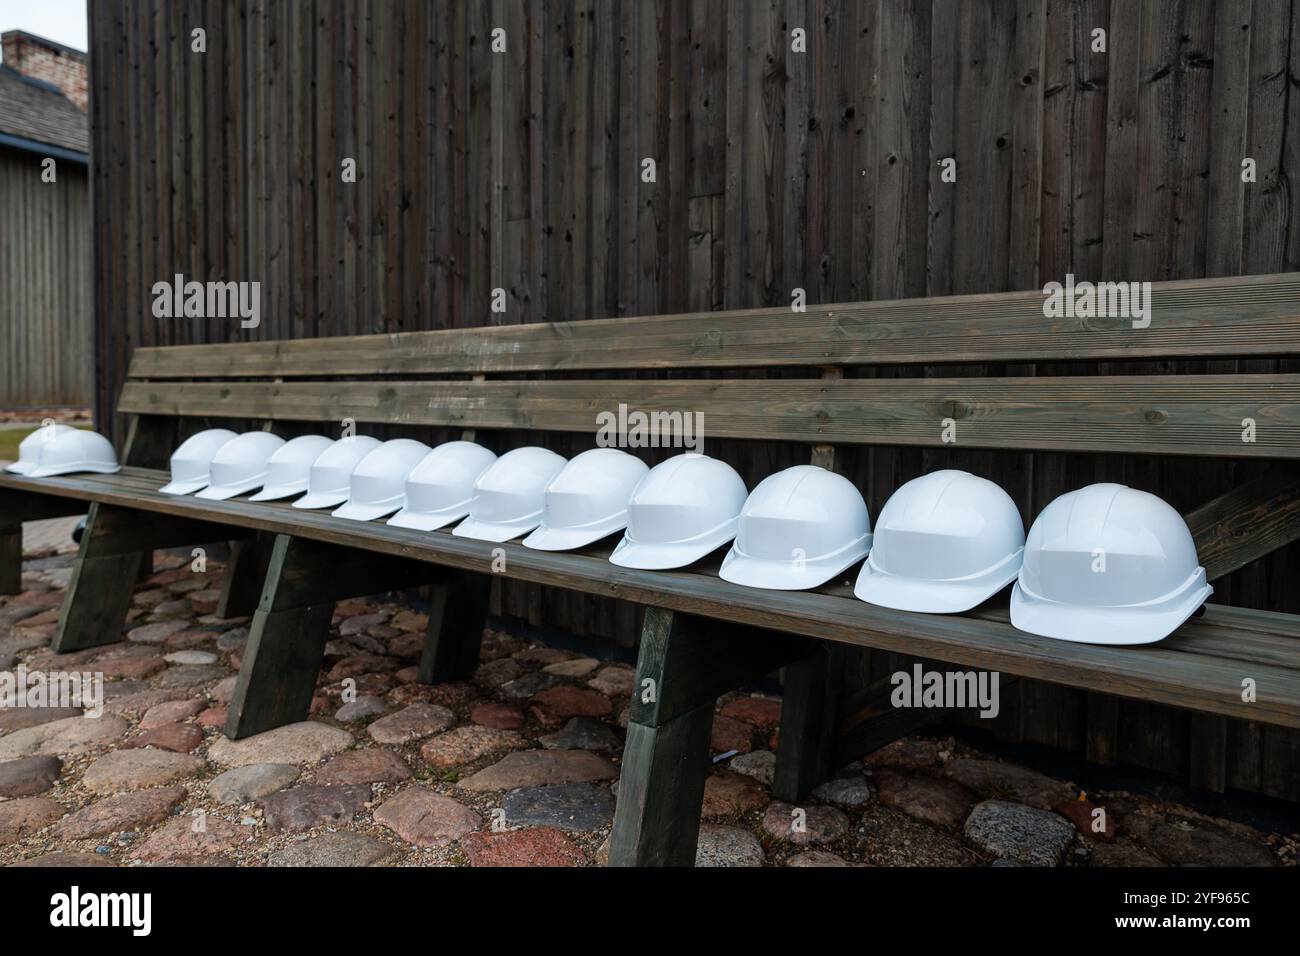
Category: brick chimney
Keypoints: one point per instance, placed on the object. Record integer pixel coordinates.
(46, 60)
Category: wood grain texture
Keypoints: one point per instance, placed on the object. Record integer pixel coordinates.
(661, 791)
(1187, 415)
(1247, 523)
(46, 341)
(95, 607)
(286, 641)
(1252, 315)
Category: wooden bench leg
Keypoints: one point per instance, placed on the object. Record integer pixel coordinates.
(683, 665)
(1209, 752)
(245, 576)
(805, 753)
(661, 791)
(11, 559)
(280, 665)
(286, 643)
(457, 615)
(15, 508)
(97, 602)
(99, 594)
(113, 548)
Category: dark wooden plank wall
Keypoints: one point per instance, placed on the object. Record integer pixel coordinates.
(46, 336)
(775, 170)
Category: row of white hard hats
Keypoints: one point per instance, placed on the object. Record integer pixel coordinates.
(1104, 564)
(55, 449)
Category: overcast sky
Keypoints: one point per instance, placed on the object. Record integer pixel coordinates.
(63, 21)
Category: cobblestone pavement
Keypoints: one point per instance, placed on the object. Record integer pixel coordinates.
(516, 767)
(52, 534)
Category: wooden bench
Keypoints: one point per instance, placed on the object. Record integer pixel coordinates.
(702, 636)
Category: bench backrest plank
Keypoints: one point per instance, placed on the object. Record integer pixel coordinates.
(1184, 414)
(1245, 316)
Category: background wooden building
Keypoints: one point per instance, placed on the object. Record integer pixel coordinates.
(46, 338)
(775, 170)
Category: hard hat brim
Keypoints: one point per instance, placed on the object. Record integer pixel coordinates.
(357, 511)
(567, 539)
(224, 492)
(55, 470)
(184, 487)
(1082, 624)
(321, 499)
(931, 597)
(647, 556)
(782, 576)
(20, 467)
(426, 520)
(499, 531)
(276, 492)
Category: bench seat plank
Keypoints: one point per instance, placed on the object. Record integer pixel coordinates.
(1220, 317)
(1201, 667)
(1180, 415)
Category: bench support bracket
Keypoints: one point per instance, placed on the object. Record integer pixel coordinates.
(685, 663)
(244, 575)
(113, 547)
(805, 754)
(286, 643)
(457, 613)
(870, 721)
(1249, 522)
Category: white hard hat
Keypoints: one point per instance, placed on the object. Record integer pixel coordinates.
(62, 452)
(944, 543)
(328, 481)
(440, 487)
(798, 529)
(683, 509)
(509, 496)
(288, 468)
(240, 465)
(588, 500)
(378, 484)
(1108, 565)
(29, 448)
(192, 460)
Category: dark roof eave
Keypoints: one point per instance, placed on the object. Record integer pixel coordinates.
(45, 149)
